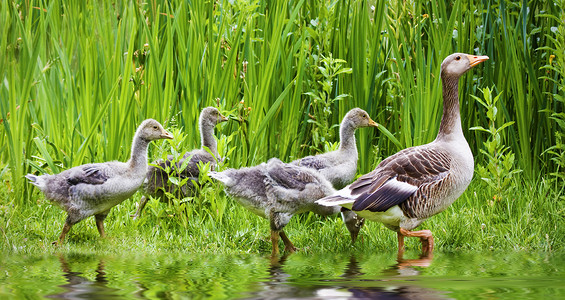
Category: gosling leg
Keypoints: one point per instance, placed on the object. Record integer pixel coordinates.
(288, 246)
(100, 224)
(275, 242)
(140, 207)
(66, 228)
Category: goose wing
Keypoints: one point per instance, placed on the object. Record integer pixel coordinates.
(191, 169)
(94, 174)
(398, 177)
(289, 176)
(311, 162)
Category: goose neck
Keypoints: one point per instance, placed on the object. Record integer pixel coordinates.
(138, 159)
(347, 136)
(451, 119)
(207, 138)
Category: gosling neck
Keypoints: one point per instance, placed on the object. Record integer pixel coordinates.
(138, 159)
(347, 138)
(207, 138)
(450, 126)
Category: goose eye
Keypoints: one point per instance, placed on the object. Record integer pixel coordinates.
(458, 58)
(155, 127)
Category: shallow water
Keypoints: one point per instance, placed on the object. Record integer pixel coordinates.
(338, 276)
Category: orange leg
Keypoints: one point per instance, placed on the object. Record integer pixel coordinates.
(400, 244)
(425, 237)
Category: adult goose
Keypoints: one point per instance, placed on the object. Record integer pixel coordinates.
(277, 191)
(157, 179)
(93, 189)
(418, 182)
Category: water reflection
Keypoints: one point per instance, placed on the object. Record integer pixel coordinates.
(276, 284)
(80, 287)
(385, 289)
(353, 283)
(354, 275)
(407, 267)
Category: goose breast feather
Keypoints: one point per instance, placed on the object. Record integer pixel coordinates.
(400, 177)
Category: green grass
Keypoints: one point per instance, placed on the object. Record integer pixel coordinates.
(529, 221)
(77, 79)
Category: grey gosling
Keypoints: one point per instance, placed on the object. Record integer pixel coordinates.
(339, 167)
(277, 191)
(418, 182)
(93, 189)
(157, 178)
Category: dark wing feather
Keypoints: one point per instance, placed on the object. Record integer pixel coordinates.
(369, 182)
(311, 162)
(88, 174)
(398, 177)
(289, 176)
(191, 169)
(388, 195)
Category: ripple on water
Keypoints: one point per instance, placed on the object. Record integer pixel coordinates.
(338, 276)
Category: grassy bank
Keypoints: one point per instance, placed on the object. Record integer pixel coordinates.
(77, 79)
(528, 221)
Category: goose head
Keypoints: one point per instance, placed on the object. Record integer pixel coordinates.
(353, 222)
(211, 116)
(359, 118)
(151, 130)
(457, 64)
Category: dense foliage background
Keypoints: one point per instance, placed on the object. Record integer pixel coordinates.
(76, 78)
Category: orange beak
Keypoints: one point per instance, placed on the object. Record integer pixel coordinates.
(475, 60)
(166, 135)
(223, 118)
(373, 123)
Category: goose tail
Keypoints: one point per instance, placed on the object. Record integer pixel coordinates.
(38, 181)
(334, 200)
(341, 197)
(221, 177)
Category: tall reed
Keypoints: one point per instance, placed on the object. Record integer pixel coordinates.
(77, 78)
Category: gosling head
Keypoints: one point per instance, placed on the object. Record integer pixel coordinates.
(151, 130)
(353, 222)
(359, 118)
(211, 116)
(457, 64)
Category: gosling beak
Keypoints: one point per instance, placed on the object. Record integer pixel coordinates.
(223, 118)
(475, 60)
(166, 135)
(354, 235)
(373, 123)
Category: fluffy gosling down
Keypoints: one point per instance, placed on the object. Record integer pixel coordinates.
(277, 191)
(340, 166)
(93, 189)
(157, 179)
(418, 182)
